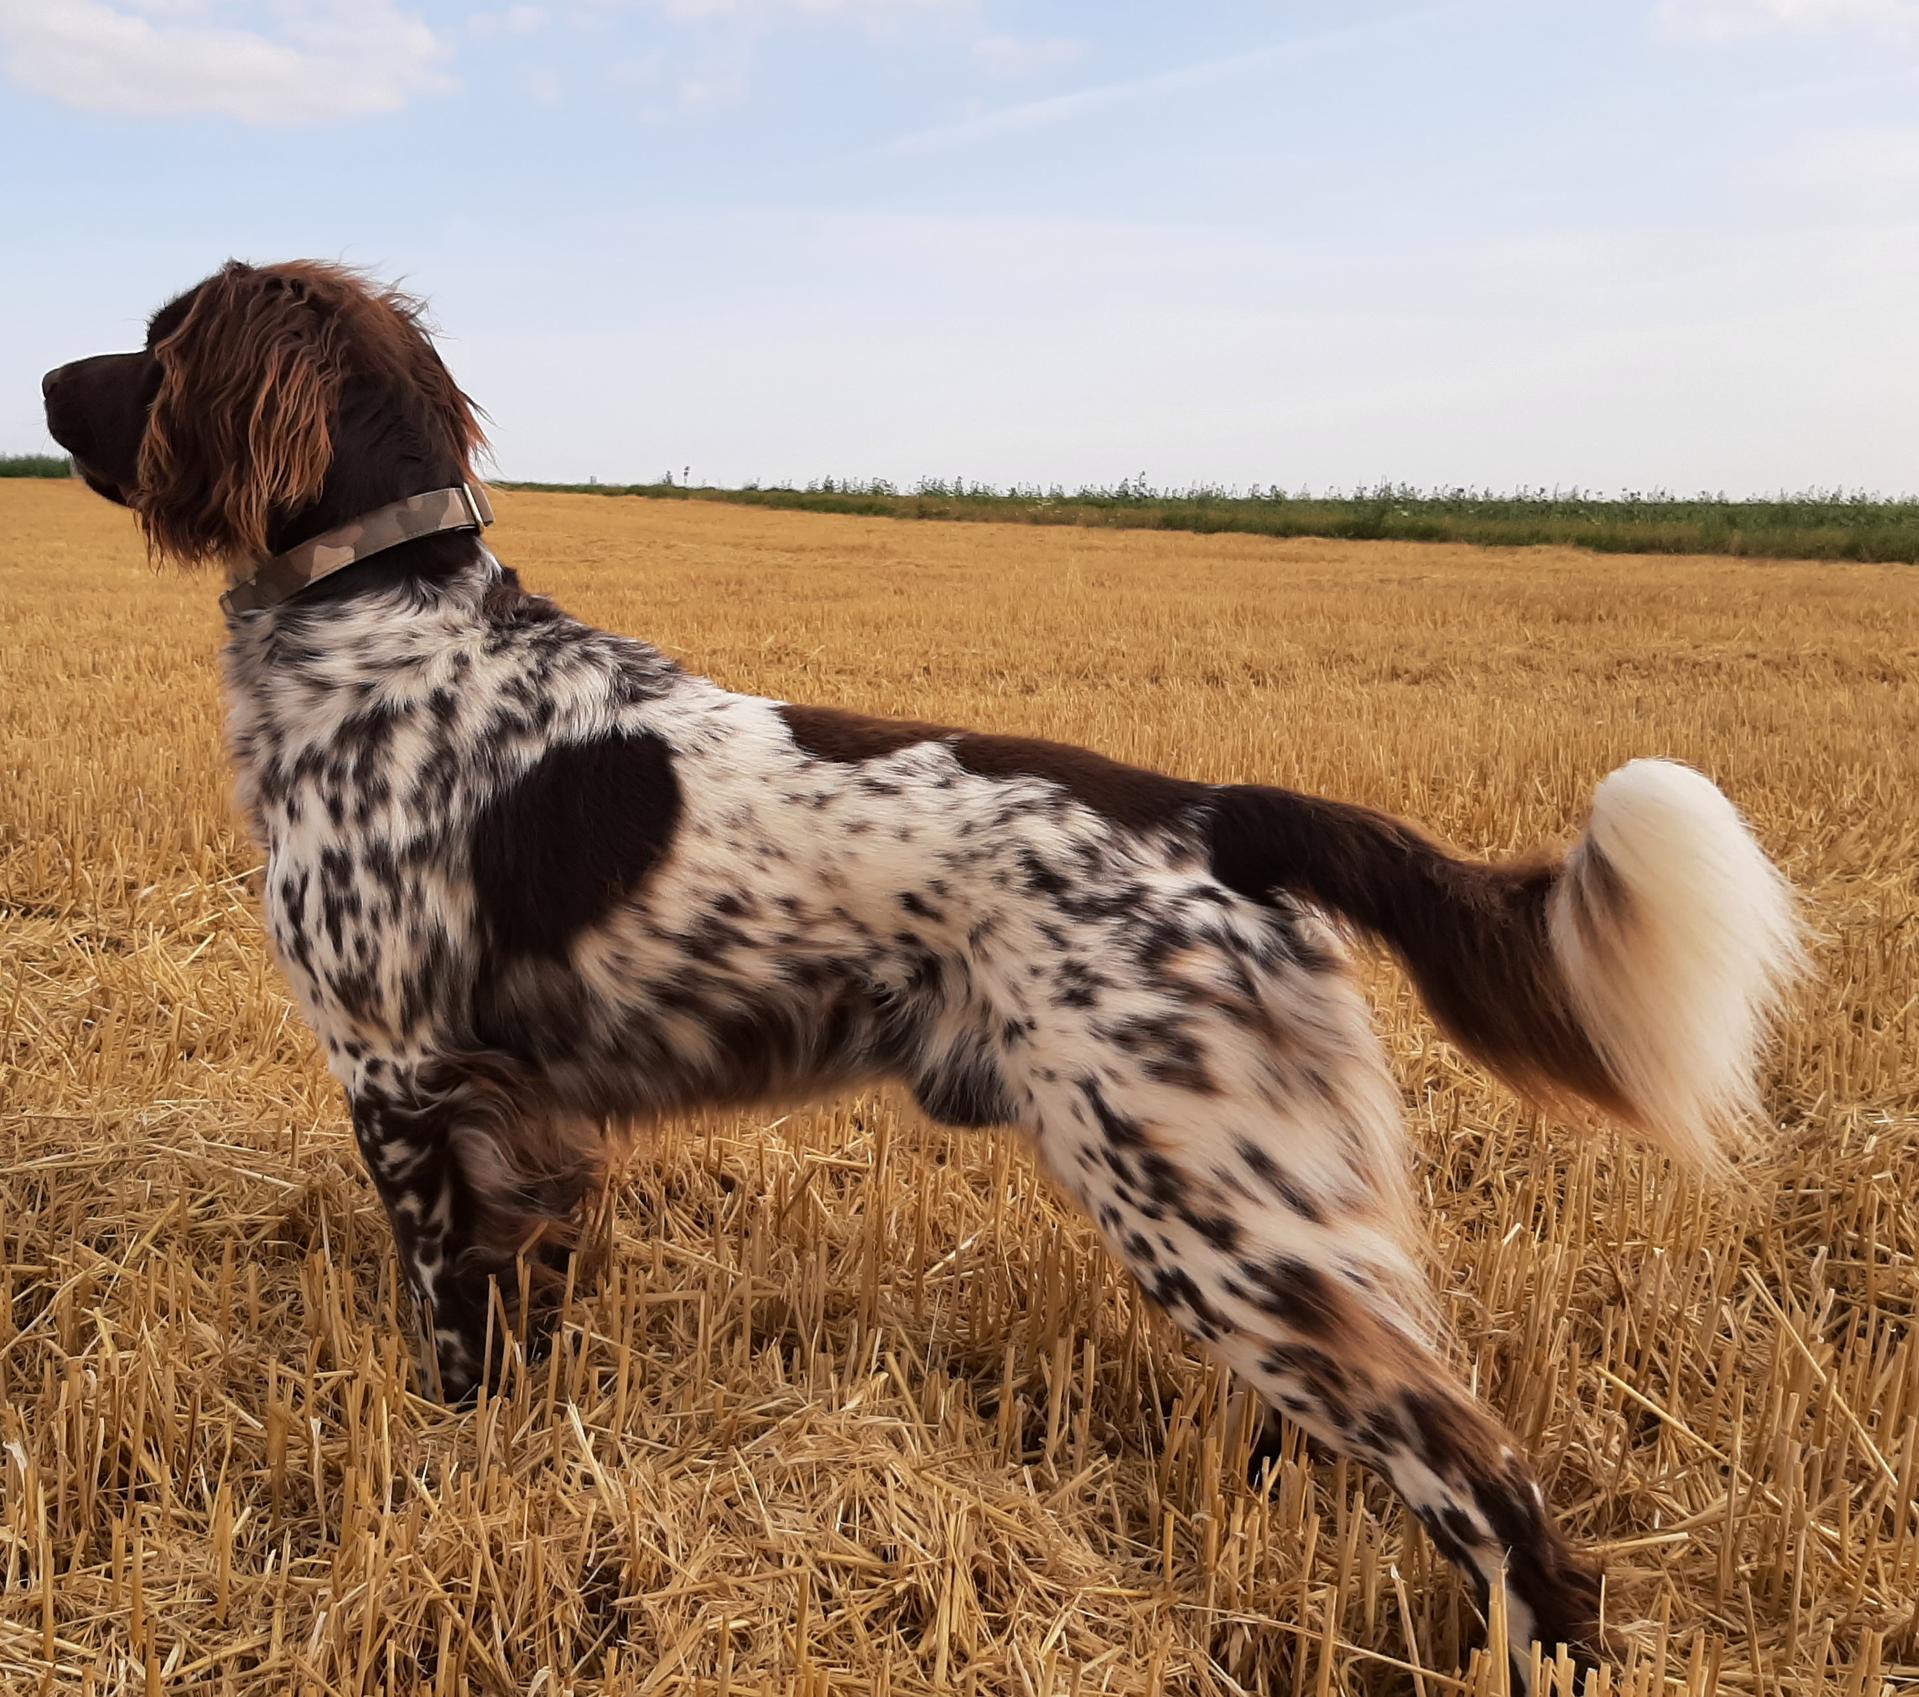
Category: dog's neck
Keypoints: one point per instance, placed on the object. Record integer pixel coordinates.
(385, 529)
(455, 568)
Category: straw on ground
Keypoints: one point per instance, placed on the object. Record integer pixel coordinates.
(858, 1407)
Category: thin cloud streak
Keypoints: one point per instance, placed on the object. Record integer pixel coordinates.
(1062, 108)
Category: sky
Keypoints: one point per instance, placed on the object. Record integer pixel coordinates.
(1625, 245)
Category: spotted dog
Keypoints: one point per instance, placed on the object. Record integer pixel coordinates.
(527, 879)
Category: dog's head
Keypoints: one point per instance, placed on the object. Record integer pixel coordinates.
(269, 403)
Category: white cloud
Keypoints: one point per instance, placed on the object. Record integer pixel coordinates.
(1019, 55)
(871, 10)
(512, 20)
(320, 61)
(1737, 20)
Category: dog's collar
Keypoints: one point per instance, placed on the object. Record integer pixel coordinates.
(463, 507)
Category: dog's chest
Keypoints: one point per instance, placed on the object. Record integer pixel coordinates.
(367, 903)
(357, 774)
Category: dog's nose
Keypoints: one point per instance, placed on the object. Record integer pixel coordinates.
(51, 381)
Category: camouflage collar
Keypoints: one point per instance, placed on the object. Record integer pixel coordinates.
(463, 507)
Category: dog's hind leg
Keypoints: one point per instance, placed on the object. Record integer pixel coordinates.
(1261, 1201)
(1319, 1333)
(1370, 1390)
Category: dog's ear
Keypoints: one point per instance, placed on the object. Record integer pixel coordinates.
(242, 426)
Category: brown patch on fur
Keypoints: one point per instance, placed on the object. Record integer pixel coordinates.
(243, 430)
(1131, 796)
(1476, 938)
(1455, 1440)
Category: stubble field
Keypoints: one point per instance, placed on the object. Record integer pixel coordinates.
(858, 1406)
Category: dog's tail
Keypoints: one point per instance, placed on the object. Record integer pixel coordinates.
(1637, 971)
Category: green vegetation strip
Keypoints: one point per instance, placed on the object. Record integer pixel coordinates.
(1818, 525)
(35, 465)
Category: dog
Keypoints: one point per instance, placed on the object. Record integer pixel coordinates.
(528, 879)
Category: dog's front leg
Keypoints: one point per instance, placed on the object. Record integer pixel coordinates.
(476, 1175)
(409, 1151)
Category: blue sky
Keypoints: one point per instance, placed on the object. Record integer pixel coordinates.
(1637, 243)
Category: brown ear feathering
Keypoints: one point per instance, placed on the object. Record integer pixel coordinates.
(245, 427)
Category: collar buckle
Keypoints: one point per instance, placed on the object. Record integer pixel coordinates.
(479, 509)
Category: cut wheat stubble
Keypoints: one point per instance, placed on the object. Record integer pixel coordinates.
(858, 1405)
